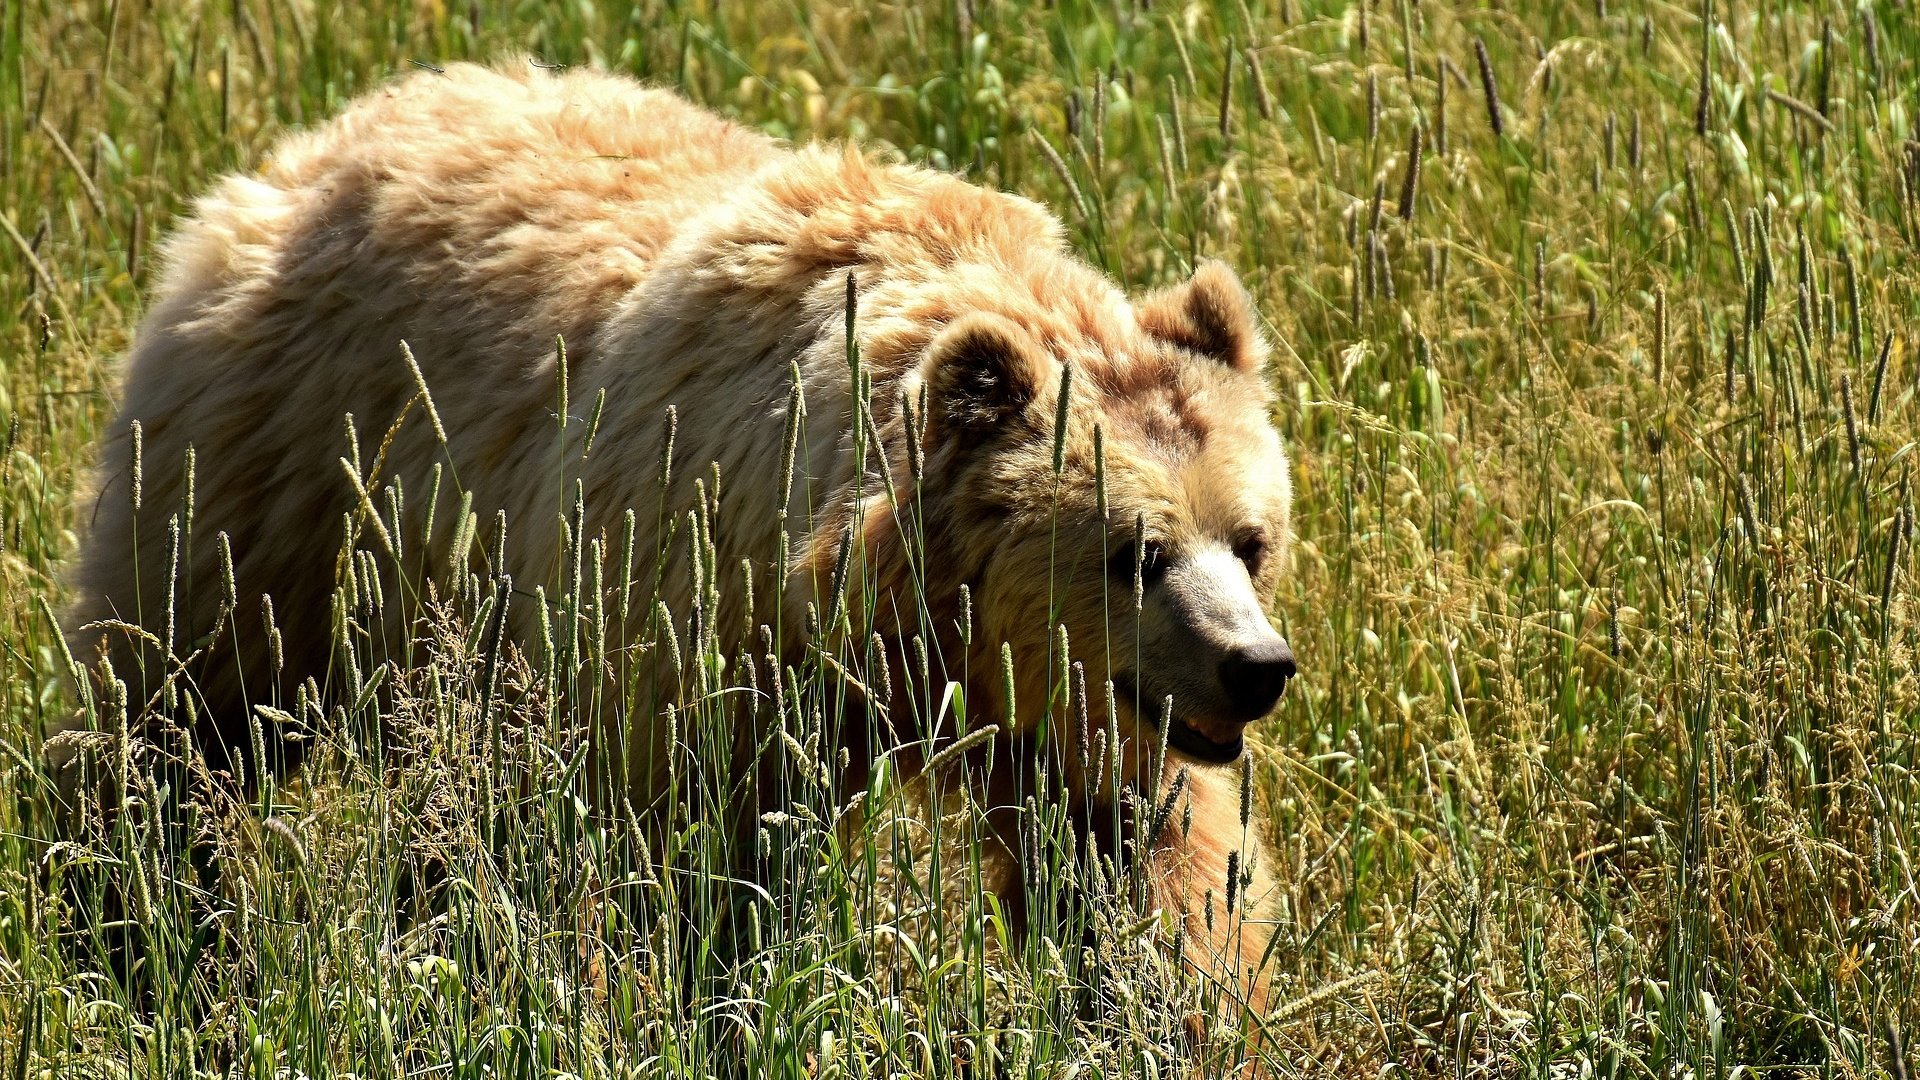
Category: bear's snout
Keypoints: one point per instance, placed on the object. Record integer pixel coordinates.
(1254, 676)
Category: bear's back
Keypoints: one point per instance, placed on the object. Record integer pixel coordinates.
(469, 190)
(477, 215)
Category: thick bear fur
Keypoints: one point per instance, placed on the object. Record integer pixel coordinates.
(478, 215)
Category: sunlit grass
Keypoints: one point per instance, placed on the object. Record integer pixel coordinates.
(1602, 412)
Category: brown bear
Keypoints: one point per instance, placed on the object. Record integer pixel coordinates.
(694, 269)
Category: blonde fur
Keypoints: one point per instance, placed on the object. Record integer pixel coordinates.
(685, 261)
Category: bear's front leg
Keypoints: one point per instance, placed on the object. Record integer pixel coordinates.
(1213, 871)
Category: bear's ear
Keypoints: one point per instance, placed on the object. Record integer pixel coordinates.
(1210, 315)
(984, 370)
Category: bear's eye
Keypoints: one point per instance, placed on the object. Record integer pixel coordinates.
(1251, 549)
(1148, 561)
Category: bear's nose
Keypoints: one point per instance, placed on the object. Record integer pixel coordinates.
(1254, 676)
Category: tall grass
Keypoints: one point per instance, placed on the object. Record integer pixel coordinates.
(1601, 404)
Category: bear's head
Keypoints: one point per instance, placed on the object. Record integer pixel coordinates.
(1152, 528)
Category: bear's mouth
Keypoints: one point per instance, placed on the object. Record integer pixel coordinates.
(1181, 735)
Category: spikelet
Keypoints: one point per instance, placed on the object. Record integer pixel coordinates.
(1060, 420)
(1410, 181)
(1179, 122)
(1659, 335)
(1007, 682)
(1139, 561)
(1901, 522)
(1100, 473)
(136, 467)
(1166, 163)
(173, 581)
(1077, 693)
(796, 413)
(1061, 172)
(959, 747)
(229, 593)
(1373, 107)
(426, 396)
(1879, 379)
(663, 620)
(1262, 97)
(878, 647)
(1226, 94)
(1163, 813)
(1246, 792)
(593, 422)
(1703, 100)
(1489, 87)
(187, 499)
(1853, 426)
(666, 450)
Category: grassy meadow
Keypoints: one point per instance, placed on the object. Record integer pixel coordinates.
(1596, 365)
